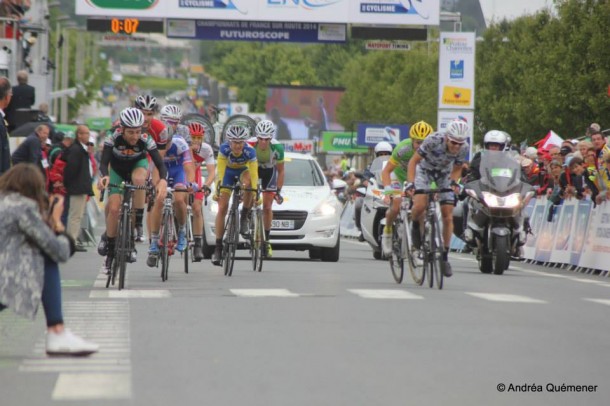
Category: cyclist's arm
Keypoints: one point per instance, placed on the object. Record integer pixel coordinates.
(220, 170)
(415, 160)
(105, 161)
(211, 174)
(280, 175)
(386, 174)
(158, 161)
(456, 173)
(253, 169)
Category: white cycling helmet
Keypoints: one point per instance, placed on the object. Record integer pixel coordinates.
(171, 112)
(131, 117)
(238, 133)
(146, 102)
(383, 146)
(495, 137)
(265, 129)
(457, 131)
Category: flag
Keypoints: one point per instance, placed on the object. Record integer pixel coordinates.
(551, 139)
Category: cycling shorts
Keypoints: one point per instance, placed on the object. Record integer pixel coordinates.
(423, 179)
(119, 176)
(176, 176)
(268, 177)
(230, 175)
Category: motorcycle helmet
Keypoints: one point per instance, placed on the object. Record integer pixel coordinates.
(495, 137)
(383, 148)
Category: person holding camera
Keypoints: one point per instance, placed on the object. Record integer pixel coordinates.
(33, 242)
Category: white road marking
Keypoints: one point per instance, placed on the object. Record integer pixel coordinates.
(600, 301)
(503, 297)
(384, 294)
(263, 293)
(129, 294)
(92, 386)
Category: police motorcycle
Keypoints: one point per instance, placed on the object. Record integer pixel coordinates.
(372, 219)
(494, 227)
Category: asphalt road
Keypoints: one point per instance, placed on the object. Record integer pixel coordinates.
(311, 333)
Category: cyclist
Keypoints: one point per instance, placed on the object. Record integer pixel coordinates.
(236, 159)
(203, 154)
(124, 158)
(394, 175)
(439, 159)
(181, 174)
(270, 156)
(170, 116)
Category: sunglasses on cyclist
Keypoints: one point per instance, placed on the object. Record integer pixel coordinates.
(455, 142)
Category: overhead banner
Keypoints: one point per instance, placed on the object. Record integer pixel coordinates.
(340, 142)
(447, 116)
(266, 31)
(303, 146)
(371, 134)
(379, 12)
(456, 70)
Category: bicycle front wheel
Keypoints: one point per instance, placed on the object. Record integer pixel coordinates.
(258, 242)
(437, 253)
(418, 272)
(165, 241)
(230, 243)
(123, 247)
(397, 264)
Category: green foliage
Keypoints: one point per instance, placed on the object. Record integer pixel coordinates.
(154, 83)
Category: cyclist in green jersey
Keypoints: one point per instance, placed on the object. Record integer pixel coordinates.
(270, 157)
(394, 175)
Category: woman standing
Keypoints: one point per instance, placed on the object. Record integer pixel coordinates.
(32, 244)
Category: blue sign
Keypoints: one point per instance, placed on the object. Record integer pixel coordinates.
(372, 134)
(266, 31)
(456, 71)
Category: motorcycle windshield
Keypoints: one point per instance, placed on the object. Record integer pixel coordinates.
(377, 166)
(500, 170)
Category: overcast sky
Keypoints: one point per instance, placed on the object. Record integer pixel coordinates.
(498, 9)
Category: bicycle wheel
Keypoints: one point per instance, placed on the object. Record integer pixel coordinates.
(427, 253)
(165, 241)
(109, 277)
(418, 272)
(189, 238)
(229, 244)
(436, 252)
(397, 264)
(123, 245)
(258, 241)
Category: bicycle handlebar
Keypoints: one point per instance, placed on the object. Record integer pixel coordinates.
(123, 185)
(431, 191)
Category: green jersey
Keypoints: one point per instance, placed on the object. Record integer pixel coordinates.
(269, 157)
(401, 155)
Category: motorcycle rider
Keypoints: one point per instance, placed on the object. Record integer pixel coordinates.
(382, 148)
(394, 175)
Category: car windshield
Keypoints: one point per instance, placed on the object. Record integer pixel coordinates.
(302, 172)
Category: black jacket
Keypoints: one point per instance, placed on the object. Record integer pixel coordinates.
(77, 176)
(30, 150)
(5, 152)
(24, 97)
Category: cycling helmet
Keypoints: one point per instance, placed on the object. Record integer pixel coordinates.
(131, 118)
(457, 131)
(265, 129)
(383, 146)
(146, 102)
(420, 130)
(171, 112)
(495, 137)
(196, 129)
(238, 133)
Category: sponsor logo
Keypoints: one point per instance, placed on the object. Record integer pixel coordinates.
(458, 45)
(456, 70)
(306, 4)
(413, 7)
(125, 4)
(389, 134)
(457, 96)
(214, 4)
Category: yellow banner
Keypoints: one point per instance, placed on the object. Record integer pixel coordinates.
(456, 96)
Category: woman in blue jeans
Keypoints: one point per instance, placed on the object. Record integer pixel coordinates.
(33, 242)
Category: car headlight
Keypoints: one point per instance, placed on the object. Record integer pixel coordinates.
(508, 202)
(325, 209)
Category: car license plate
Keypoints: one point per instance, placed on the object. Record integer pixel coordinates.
(282, 224)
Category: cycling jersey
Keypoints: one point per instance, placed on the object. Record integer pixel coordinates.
(231, 166)
(157, 131)
(437, 157)
(178, 153)
(181, 131)
(270, 157)
(401, 155)
(204, 155)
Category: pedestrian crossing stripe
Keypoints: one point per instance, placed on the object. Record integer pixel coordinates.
(384, 294)
(600, 301)
(129, 294)
(263, 293)
(504, 297)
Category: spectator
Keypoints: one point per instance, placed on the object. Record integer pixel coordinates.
(58, 148)
(78, 180)
(599, 143)
(554, 152)
(24, 97)
(283, 132)
(31, 248)
(583, 147)
(576, 181)
(5, 98)
(30, 150)
(594, 128)
(43, 113)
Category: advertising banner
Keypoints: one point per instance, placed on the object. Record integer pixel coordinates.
(379, 12)
(371, 134)
(304, 146)
(267, 31)
(563, 237)
(579, 231)
(447, 116)
(596, 250)
(546, 233)
(456, 70)
(340, 142)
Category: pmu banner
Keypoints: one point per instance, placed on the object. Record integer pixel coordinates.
(371, 134)
(267, 31)
(456, 70)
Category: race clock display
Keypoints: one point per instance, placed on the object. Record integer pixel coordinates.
(124, 25)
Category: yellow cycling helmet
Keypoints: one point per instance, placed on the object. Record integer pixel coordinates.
(420, 130)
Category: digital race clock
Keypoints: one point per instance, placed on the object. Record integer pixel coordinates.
(124, 25)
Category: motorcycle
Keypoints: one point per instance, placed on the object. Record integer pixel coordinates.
(372, 217)
(494, 226)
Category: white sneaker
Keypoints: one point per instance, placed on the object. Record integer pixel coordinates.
(67, 343)
(386, 244)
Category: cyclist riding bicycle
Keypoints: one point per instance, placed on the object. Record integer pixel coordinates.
(394, 175)
(270, 156)
(124, 159)
(203, 154)
(170, 116)
(236, 159)
(439, 159)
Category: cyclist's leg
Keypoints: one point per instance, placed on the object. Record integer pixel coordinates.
(198, 219)
(113, 209)
(247, 202)
(269, 185)
(223, 196)
(155, 223)
(391, 214)
(447, 201)
(180, 203)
